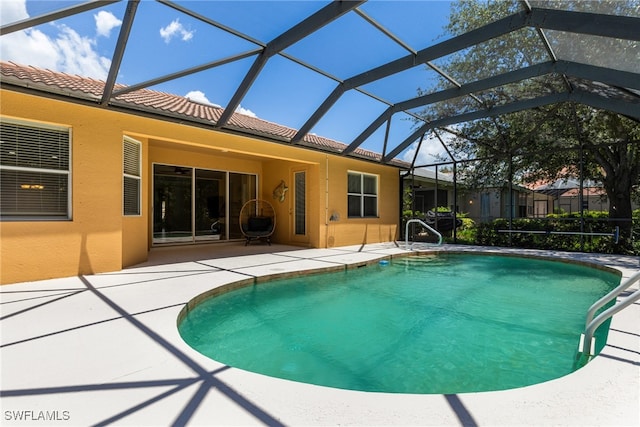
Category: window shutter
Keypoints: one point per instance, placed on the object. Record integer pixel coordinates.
(131, 182)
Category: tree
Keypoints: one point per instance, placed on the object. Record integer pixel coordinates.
(549, 142)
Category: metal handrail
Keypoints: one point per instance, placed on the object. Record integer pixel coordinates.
(406, 233)
(608, 297)
(587, 344)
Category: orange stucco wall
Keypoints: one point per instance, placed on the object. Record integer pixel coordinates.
(99, 238)
(352, 231)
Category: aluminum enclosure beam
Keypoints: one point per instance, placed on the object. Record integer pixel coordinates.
(630, 109)
(575, 22)
(121, 45)
(479, 114)
(595, 24)
(186, 72)
(324, 16)
(444, 48)
(609, 76)
(480, 85)
(579, 96)
(58, 14)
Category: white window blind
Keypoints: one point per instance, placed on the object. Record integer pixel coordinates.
(34, 171)
(131, 168)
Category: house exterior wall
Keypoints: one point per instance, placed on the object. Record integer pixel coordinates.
(93, 240)
(489, 204)
(571, 203)
(98, 238)
(345, 231)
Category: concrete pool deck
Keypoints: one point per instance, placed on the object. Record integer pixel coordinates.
(104, 349)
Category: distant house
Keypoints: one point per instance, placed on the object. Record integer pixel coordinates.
(430, 189)
(485, 205)
(565, 195)
(433, 189)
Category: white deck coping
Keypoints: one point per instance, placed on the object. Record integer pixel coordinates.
(104, 349)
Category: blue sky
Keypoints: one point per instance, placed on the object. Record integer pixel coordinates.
(164, 40)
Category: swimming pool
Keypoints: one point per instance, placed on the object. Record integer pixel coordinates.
(437, 324)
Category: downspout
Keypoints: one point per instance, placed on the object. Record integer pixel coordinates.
(326, 202)
(326, 191)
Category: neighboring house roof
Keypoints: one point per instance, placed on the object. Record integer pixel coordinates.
(560, 186)
(165, 104)
(430, 174)
(574, 192)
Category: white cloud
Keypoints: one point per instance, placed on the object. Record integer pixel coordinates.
(12, 11)
(66, 51)
(105, 22)
(430, 150)
(30, 47)
(200, 97)
(245, 111)
(77, 55)
(175, 28)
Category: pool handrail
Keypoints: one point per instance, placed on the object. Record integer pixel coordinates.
(428, 227)
(586, 342)
(608, 297)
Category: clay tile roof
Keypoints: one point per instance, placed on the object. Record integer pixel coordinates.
(163, 103)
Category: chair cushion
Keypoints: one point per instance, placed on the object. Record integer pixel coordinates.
(259, 223)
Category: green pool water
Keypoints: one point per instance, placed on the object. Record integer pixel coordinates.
(445, 324)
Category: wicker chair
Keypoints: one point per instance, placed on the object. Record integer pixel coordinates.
(257, 220)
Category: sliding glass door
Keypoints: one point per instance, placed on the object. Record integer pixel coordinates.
(171, 204)
(210, 204)
(192, 204)
(242, 188)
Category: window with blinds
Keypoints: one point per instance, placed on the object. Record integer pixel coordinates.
(362, 195)
(131, 169)
(35, 176)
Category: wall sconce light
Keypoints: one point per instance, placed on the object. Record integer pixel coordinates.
(335, 216)
(280, 191)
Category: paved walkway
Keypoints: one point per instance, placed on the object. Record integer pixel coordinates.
(104, 349)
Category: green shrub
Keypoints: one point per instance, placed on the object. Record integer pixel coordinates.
(494, 233)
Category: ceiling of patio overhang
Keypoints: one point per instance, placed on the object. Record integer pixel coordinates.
(353, 71)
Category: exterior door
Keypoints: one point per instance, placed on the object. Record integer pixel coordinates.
(192, 204)
(172, 204)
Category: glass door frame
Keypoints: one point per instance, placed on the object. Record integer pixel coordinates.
(194, 238)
